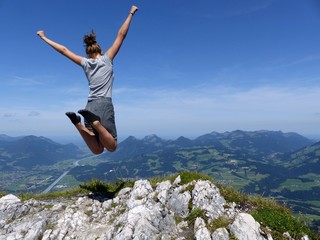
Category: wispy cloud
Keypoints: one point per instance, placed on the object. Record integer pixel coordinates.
(203, 109)
(282, 63)
(233, 9)
(75, 90)
(248, 7)
(186, 111)
(21, 81)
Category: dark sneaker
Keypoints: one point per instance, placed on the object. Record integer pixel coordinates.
(73, 117)
(89, 116)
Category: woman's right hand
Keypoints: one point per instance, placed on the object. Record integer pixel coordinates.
(41, 33)
(134, 9)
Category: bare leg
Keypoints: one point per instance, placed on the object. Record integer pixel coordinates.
(89, 137)
(106, 139)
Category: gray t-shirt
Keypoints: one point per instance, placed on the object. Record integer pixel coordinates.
(100, 77)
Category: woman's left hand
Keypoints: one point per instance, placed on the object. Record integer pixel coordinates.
(41, 33)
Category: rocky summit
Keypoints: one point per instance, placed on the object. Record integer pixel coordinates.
(141, 212)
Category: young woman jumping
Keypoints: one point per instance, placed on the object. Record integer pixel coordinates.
(99, 131)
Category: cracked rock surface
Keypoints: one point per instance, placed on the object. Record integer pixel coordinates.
(140, 212)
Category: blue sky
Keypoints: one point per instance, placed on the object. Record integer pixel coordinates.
(186, 68)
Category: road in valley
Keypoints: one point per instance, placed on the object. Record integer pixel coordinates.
(55, 182)
(75, 164)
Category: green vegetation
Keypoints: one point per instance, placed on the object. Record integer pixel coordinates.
(96, 186)
(194, 214)
(52, 195)
(186, 177)
(221, 222)
(303, 183)
(269, 214)
(281, 220)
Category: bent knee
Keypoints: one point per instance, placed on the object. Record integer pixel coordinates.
(97, 151)
(112, 148)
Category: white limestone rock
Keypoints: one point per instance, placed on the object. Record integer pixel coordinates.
(245, 227)
(220, 234)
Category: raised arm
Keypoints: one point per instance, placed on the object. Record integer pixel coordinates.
(122, 33)
(60, 48)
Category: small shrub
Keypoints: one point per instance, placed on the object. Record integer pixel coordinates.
(88, 213)
(189, 188)
(177, 218)
(48, 206)
(195, 213)
(221, 222)
(113, 204)
(109, 190)
(155, 197)
(49, 226)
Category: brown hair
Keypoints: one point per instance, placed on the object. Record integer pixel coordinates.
(92, 47)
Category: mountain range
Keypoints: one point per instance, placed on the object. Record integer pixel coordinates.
(284, 166)
(259, 142)
(28, 151)
(210, 153)
(281, 165)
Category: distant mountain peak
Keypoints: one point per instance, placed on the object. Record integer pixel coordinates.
(31, 150)
(131, 138)
(182, 138)
(152, 138)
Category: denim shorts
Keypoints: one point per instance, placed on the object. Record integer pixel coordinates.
(103, 108)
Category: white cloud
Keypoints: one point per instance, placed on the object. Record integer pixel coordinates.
(21, 81)
(235, 8)
(248, 7)
(199, 110)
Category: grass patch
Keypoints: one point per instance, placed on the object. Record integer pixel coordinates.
(231, 195)
(186, 177)
(2, 194)
(52, 195)
(194, 214)
(269, 214)
(280, 220)
(220, 222)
